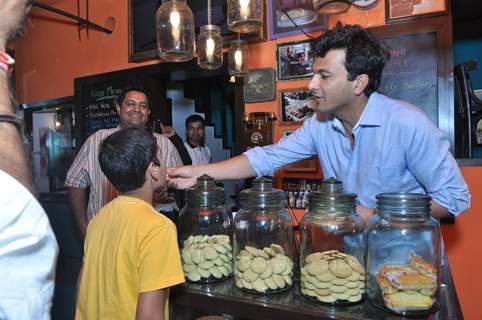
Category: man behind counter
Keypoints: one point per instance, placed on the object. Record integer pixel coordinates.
(85, 170)
(372, 143)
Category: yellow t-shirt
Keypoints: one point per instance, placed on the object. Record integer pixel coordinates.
(129, 249)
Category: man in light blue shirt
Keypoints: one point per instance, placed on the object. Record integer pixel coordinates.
(372, 143)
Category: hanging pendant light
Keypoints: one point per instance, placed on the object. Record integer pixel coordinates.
(238, 58)
(332, 6)
(175, 31)
(245, 16)
(210, 45)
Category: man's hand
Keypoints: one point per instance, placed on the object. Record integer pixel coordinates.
(182, 177)
(365, 213)
(167, 131)
(13, 13)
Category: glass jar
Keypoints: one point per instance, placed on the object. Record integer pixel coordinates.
(210, 47)
(175, 31)
(403, 255)
(205, 233)
(332, 247)
(238, 58)
(245, 16)
(263, 240)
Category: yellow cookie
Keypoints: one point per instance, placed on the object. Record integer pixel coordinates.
(355, 264)
(327, 277)
(271, 284)
(340, 268)
(259, 265)
(260, 286)
(313, 257)
(279, 280)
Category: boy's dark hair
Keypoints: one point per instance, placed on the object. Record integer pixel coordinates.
(194, 118)
(363, 52)
(125, 155)
(128, 89)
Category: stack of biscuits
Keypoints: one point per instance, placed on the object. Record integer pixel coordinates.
(207, 258)
(332, 277)
(408, 287)
(263, 270)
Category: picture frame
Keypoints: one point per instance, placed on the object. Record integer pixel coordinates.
(293, 60)
(142, 21)
(301, 12)
(293, 105)
(403, 10)
(260, 85)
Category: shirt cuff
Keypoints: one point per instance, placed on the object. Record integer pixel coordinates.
(259, 161)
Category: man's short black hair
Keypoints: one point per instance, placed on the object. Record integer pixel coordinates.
(125, 155)
(363, 52)
(138, 88)
(194, 118)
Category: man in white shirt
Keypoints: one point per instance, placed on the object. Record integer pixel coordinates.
(28, 249)
(195, 134)
(193, 151)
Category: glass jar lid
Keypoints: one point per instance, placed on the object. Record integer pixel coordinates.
(262, 195)
(331, 199)
(205, 193)
(404, 204)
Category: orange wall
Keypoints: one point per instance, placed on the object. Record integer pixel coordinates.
(51, 56)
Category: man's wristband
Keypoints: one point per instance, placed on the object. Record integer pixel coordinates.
(6, 62)
(10, 118)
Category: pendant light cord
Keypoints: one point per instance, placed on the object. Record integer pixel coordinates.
(285, 12)
(209, 12)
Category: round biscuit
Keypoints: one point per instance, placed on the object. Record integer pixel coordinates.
(194, 276)
(206, 265)
(279, 280)
(322, 284)
(188, 267)
(196, 256)
(278, 264)
(323, 292)
(260, 286)
(204, 273)
(239, 283)
(216, 272)
(313, 257)
(259, 265)
(309, 293)
(353, 292)
(340, 268)
(327, 299)
(250, 276)
(288, 280)
(268, 272)
(355, 264)
(355, 298)
(247, 285)
(219, 262)
(270, 283)
(251, 250)
(339, 281)
(327, 277)
(352, 284)
(317, 267)
(269, 251)
(209, 253)
(338, 289)
(340, 296)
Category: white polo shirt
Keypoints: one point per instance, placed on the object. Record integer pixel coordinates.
(199, 155)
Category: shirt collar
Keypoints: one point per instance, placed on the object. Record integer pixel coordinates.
(370, 116)
(194, 147)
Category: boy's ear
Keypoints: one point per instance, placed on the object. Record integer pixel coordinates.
(154, 171)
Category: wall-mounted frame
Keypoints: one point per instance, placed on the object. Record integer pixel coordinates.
(142, 26)
(403, 10)
(419, 70)
(293, 60)
(260, 85)
(301, 12)
(293, 105)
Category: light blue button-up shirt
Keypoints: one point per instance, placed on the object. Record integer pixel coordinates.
(397, 149)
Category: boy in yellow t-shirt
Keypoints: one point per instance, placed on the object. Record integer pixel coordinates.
(131, 253)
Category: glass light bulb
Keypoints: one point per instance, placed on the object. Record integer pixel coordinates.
(175, 19)
(238, 59)
(244, 7)
(210, 46)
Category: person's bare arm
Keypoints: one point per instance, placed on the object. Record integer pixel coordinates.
(13, 158)
(78, 203)
(236, 168)
(439, 212)
(150, 305)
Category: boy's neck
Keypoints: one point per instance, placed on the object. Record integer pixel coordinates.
(144, 193)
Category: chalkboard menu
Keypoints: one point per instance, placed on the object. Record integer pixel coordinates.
(99, 108)
(411, 73)
(419, 70)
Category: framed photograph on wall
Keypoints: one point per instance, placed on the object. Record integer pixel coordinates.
(399, 10)
(294, 105)
(293, 60)
(285, 15)
(260, 85)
